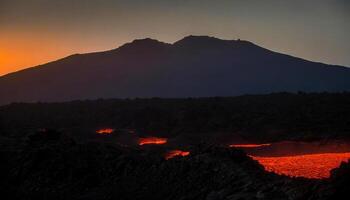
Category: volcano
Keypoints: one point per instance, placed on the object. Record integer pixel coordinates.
(195, 66)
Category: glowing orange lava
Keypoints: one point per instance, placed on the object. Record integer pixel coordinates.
(152, 140)
(248, 145)
(174, 153)
(105, 131)
(309, 166)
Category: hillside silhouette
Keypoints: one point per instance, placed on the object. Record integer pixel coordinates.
(196, 66)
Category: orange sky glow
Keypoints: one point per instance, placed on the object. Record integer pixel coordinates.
(39, 31)
(20, 51)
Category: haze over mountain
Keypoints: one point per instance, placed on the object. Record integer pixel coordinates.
(196, 66)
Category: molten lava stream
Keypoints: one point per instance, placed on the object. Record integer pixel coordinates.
(309, 166)
(174, 153)
(105, 131)
(248, 145)
(152, 140)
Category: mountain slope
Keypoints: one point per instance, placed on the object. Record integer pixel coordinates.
(192, 67)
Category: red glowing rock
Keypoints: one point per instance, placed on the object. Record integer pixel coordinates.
(105, 131)
(174, 153)
(309, 166)
(248, 145)
(152, 140)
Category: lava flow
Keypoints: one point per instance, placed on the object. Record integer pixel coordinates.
(248, 145)
(152, 140)
(309, 166)
(105, 131)
(174, 153)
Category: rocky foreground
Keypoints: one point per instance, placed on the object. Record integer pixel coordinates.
(54, 166)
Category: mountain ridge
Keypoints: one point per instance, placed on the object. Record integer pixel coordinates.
(171, 44)
(195, 66)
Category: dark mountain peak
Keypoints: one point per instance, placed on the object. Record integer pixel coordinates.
(196, 66)
(207, 41)
(195, 40)
(146, 41)
(200, 38)
(143, 43)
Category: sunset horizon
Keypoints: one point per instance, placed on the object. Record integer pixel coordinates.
(315, 32)
(51, 58)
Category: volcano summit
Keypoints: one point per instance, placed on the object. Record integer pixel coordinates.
(196, 66)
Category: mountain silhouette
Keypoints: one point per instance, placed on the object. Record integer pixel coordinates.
(196, 66)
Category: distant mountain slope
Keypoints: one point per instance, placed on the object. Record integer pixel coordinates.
(195, 66)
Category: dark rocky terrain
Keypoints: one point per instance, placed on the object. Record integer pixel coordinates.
(221, 120)
(52, 150)
(196, 66)
(51, 165)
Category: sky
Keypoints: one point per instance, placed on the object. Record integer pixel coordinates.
(34, 32)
